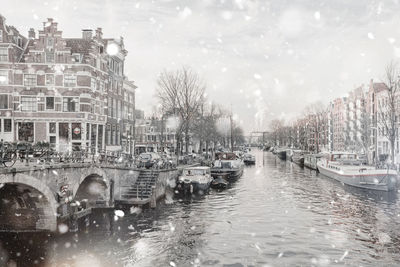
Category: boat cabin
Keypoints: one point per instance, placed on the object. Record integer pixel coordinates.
(344, 158)
(225, 156)
(196, 171)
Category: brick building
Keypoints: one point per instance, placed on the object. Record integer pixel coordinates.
(70, 92)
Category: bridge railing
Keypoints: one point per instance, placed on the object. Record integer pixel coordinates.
(45, 153)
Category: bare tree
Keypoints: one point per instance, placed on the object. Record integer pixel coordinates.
(276, 127)
(387, 108)
(204, 126)
(181, 93)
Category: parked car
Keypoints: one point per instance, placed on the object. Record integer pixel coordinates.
(148, 160)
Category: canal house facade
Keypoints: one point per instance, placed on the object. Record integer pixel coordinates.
(70, 92)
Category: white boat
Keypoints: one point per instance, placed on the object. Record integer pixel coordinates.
(194, 180)
(346, 168)
(249, 159)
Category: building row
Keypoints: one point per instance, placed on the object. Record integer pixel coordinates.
(70, 92)
(353, 123)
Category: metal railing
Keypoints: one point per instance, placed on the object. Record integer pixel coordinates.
(45, 153)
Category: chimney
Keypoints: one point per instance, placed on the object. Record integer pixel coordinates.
(99, 33)
(31, 33)
(87, 34)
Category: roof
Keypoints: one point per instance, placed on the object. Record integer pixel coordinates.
(79, 45)
(378, 87)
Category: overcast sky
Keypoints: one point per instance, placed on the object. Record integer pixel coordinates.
(267, 58)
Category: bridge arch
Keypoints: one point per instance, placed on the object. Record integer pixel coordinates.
(93, 185)
(33, 200)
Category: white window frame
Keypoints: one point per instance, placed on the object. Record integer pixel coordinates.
(93, 83)
(4, 57)
(51, 43)
(8, 100)
(54, 103)
(75, 99)
(48, 75)
(3, 73)
(69, 80)
(31, 104)
(26, 79)
(50, 53)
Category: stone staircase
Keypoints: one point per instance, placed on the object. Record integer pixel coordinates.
(141, 191)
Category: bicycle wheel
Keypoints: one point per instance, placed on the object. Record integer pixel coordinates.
(9, 158)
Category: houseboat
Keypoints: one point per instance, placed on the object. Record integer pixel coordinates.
(348, 169)
(194, 180)
(310, 160)
(227, 163)
(249, 159)
(298, 157)
(281, 153)
(289, 154)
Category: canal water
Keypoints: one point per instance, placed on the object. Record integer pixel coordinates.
(276, 214)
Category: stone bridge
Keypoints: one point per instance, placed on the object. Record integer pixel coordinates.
(38, 197)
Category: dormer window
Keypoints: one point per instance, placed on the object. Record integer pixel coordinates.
(101, 49)
(50, 42)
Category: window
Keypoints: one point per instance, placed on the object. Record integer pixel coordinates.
(1, 35)
(50, 57)
(7, 125)
(70, 104)
(93, 83)
(50, 102)
(3, 77)
(3, 54)
(49, 79)
(69, 80)
(30, 79)
(50, 42)
(52, 127)
(28, 103)
(3, 101)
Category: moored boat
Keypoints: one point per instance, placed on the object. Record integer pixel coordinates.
(346, 168)
(298, 157)
(194, 180)
(227, 163)
(310, 160)
(220, 182)
(281, 153)
(249, 159)
(289, 154)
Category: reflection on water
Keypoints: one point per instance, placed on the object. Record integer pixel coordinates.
(277, 214)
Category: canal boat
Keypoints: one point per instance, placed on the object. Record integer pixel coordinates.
(298, 157)
(227, 163)
(194, 180)
(289, 154)
(310, 160)
(249, 159)
(281, 153)
(346, 168)
(220, 182)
